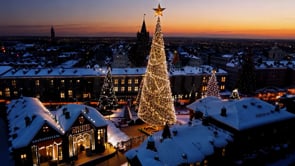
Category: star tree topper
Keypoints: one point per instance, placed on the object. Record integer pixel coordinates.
(159, 11)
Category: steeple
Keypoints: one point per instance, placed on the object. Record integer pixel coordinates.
(143, 27)
(143, 35)
(52, 33)
(139, 52)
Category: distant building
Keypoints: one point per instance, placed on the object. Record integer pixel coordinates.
(56, 85)
(38, 135)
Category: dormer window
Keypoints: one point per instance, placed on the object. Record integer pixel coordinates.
(81, 119)
(45, 129)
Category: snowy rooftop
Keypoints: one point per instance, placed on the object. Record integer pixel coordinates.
(4, 69)
(265, 64)
(96, 71)
(75, 110)
(196, 70)
(33, 110)
(25, 109)
(241, 114)
(191, 144)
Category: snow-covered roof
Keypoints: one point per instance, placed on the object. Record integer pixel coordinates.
(4, 69)
(33, 110)
(241, 114)
(196, 70)
(51, 72)
(78, 72)
(191, 144)
(75, 110)
(276, 64)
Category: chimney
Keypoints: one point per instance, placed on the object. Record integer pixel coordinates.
(27, 121)
(67, 115)
(223, 111)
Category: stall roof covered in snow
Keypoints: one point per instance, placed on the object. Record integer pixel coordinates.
(241, 114)
(74, 111)
(191, 144)
(25, 118)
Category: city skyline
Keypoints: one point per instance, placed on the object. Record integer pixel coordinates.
(188, 18)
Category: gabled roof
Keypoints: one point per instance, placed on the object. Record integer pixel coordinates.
(241, 114)
(33, 110)
(75, 110)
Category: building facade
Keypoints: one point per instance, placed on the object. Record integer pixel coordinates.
(38, 135)
(59, 85)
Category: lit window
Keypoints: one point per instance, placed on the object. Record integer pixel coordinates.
(7, 92)
(116, 81)
(23, 156)
(123, 81)
(51, 82)
(222, 79)
(136, 89)
(37, 82)
(1, 93)
(204, 80)
(204, 88)
(78, 81)
(129, 81)
(122, 89)
(45, 129)
(116, 89)
(62, 81)
(62, 95)
(15, 93)
(136, 81)
(85, 95)
(129, 88)
(70, 93)
(222, 87)
(13, 82)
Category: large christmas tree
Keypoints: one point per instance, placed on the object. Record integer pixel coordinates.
(107, 99)
(156, 103)
(212, 86)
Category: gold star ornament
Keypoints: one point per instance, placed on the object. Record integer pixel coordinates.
(159, 11)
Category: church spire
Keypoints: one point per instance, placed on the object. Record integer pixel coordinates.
(143, 27)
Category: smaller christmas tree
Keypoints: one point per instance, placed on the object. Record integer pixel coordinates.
(107, 99)
(212, 87)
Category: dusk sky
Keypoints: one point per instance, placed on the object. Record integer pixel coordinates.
(193, 18)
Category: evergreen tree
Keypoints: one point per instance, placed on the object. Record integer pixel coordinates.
(156, 105)
(107, 99)
(212, 87)
(247, 79)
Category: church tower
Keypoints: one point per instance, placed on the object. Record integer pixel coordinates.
(139, 52)
(52, 34)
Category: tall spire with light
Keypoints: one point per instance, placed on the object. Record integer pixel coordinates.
(156, 105)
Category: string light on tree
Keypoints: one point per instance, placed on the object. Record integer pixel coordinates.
(107, 99)
(212, 87)
(156, 105)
